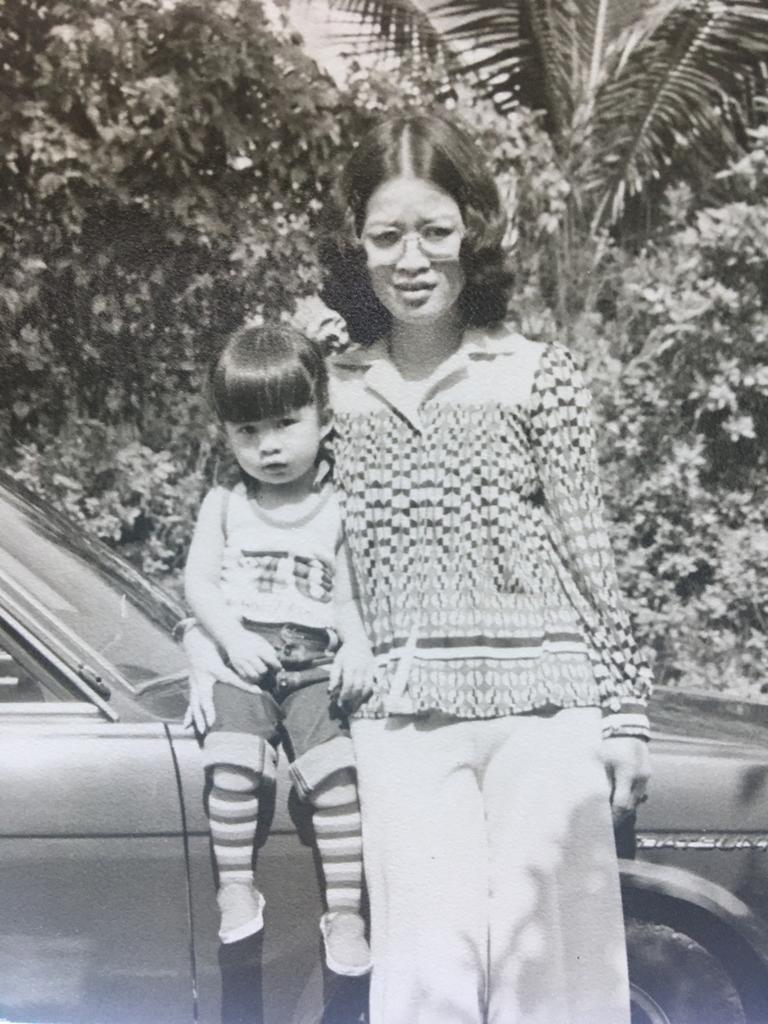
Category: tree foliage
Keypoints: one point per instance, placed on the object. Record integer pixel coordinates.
(631, 93)
(163, 167)
(683, 369)
(157, 184)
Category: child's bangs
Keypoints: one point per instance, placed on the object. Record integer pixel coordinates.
(262, 394)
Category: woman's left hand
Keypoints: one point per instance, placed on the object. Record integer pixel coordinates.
(627, 764)
(352, 674)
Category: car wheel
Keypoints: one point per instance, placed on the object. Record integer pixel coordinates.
(674, 980)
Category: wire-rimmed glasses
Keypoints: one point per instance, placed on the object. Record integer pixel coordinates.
(387, 245)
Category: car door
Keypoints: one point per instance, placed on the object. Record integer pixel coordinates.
(277, 976)
(93, 897)
(97, 920)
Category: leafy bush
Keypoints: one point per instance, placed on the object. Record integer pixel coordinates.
(161, 165)
(162, 170)
(140, 498)
(155, 170)
(683, 384)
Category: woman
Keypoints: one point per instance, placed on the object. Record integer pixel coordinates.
(467, 475)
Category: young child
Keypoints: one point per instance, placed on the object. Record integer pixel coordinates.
(259, 580)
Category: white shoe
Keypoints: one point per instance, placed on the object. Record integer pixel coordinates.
(346, 949)
(242, 911)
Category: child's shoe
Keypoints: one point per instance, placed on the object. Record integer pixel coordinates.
(346, 948)
(242, 907)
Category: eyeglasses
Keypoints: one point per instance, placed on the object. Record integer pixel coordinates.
(387, 245)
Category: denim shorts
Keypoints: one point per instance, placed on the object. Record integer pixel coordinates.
(290, 706)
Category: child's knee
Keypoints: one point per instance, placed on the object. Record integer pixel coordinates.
(239, 751)
(235, 778)
(329, 764)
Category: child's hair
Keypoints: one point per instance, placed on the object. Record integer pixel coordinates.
(439, 152)
(266, 372)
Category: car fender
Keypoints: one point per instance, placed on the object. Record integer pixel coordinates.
(708, 913)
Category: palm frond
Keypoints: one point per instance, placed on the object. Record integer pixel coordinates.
(527, 51)
(674, 94)
(631, 89)
(542, 53)
(501, 51)
(399, 26)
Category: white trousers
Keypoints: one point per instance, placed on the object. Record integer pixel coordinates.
(491, 871)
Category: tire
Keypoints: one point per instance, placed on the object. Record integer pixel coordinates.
(674, 980)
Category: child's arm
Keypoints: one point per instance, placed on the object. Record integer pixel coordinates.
(248, 653)
(353, 670)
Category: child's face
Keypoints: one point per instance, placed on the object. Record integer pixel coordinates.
(412, 236)
(278, 451)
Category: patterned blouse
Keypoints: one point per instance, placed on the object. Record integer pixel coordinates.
(473, 514)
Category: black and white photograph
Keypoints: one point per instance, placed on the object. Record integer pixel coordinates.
(384, 512)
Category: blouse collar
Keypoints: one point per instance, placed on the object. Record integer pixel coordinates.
(381, 376)
(476, 343)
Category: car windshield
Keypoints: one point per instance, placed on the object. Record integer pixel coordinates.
(78, 595)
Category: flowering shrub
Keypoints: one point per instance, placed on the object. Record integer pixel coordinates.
(163, 166)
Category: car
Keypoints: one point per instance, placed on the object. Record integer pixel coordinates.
(695, 877)
(107, 899)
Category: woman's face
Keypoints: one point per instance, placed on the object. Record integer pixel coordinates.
(412, 236)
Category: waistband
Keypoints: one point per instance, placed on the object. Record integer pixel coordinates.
(305, 654)
(314, 639)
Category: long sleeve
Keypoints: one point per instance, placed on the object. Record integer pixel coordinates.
(562, 436)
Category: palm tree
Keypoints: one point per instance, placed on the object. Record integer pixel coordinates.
(634, 91)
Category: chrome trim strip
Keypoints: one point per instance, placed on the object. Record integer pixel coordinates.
(10, 584)
(60, 665)
(47, 709)
(702, 841)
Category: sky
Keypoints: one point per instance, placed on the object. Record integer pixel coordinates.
(320, 26)
(316, 22)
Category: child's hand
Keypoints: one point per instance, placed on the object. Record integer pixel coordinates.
(200, 713)
(352, 674)
(206, 667)
(251, 656)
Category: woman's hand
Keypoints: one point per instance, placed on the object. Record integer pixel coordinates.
(627, 764)
(352, 674)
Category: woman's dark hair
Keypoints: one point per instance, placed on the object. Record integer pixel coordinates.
(266, 372)
(438, 152)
